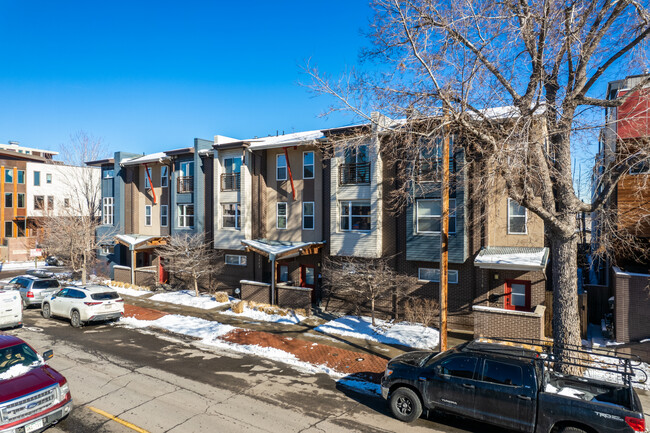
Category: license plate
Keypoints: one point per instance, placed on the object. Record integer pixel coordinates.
(34, 426)
(108, 306)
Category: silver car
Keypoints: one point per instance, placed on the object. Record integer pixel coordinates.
(34, 289)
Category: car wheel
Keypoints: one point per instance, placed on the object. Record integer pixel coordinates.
(45, 311)
(405, 405)
(75, 319)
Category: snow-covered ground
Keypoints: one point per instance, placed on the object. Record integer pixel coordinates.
(10, 266)
(261, 316)
(189, 298)
(126, 291)
(403, 333)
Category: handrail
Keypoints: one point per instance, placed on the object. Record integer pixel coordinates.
(357, 173)
(185, 184)
(230, 181)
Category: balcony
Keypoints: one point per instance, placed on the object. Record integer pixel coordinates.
(354, 174)
(185, 184)
(230, 182)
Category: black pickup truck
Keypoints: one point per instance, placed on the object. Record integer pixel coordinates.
(514, 387)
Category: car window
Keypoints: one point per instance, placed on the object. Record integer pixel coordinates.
(13, 281)
(45, 284)
(459, 366)
(76, 294)
(63, 293)
(23, 282)
(106, 296)
(502, 373)
(14, 355)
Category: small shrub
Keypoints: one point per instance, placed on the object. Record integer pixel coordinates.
(300, 312)
(238, 308)
(221, 297)
(423, 311)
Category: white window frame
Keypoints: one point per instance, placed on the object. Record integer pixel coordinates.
(349, 216)
(518, 216)
(278, 167)
(184, 168)
(312, 165)
(48, 178)
(147, 215)
(183, 216)
(452, 214)
(235, 260)
(237, 216)
(277, 215)
(147, 184)
(313, 215)
(164, 176)
(164, 213)
(105, 250)
(107, 211)
(452, 275)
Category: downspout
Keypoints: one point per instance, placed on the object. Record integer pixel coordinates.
(293, 190)
(272, 279)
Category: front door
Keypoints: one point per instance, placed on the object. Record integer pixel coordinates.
(517, 295)
(308, 277)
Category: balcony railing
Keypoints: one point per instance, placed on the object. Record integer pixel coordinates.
(230, 182)
(185, 184)
(352, 174)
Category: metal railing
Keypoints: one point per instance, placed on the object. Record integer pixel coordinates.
(230, 182)
(185, 184)
(352, 174)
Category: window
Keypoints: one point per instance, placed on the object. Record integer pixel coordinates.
(39, 202)
(280, 167)
(187, 168)
(147, 215)
(50, 202)
(356, 166)
(355, 215)
(164, 215)
(283, 273)
(21, 176)
(641, 168)
(517, 218)
(9, 229)
(21, 228)
(147, 176)
(433, 274)
(517, 295)
(459, 366)
(308, 215)
(231, 216)
(185, 215)
(21, 199)
(230, 178)
(107, 211)
(66, 202)
(9, 199)
(232, 259)
(232, 165)
(9, 175)
(164, 177)
(502, 373)
(106, 249)
(281, 216)
(429, 216)
(308, 165)
(48, 178)
(108, 173)
(356, 154)
(37, 178)
(429, 161)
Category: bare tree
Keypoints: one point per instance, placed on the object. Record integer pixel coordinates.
(70, 230)
(189, 256)
(363, 281)
(545, 61)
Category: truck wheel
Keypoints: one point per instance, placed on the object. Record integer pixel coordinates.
(571, 430)
(75, 319)
(45, 311)
(405, 405)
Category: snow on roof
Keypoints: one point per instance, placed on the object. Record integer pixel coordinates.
(294, 139)
(517, 258)
(134, 240)
(154, 157)
(277, 249)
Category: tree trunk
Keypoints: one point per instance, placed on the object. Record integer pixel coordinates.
(83, 270)
(566, 318)
(372, 311)
(196, 285)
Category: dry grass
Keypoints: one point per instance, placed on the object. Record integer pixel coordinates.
(238, 307)
(423, 311)
(265, 308)
(221, 297)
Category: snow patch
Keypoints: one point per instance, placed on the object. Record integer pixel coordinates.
(188, 298)
(290, 319)
(361, 386)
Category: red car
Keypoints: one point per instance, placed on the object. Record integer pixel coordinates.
(33, 395)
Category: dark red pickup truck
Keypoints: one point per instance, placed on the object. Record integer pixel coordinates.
(33, 395)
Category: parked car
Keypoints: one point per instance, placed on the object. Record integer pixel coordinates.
(53, 261)
(34, 288)
(11, 309)
(514, 388)
(82, 304)
(33, 395)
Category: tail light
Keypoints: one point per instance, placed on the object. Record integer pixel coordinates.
(30, 294)
(92, 303)
(637, 424)
(119, 300)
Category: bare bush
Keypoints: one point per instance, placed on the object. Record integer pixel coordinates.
(425, 311)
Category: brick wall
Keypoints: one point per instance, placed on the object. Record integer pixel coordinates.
(499, 323)
(632, 306)
(122, 274)
(145, 277)
(256, 292)
(294, 297)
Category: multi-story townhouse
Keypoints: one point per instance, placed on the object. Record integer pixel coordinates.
(624, 271)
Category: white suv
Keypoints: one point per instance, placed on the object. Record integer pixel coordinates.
(83, 304)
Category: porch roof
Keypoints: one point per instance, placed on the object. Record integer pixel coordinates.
(146, 159)
(140, 242)
(514, 258)
(276, 250)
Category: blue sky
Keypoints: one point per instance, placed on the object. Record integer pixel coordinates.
(148, 76)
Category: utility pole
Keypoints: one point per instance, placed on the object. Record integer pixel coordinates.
(444, 232)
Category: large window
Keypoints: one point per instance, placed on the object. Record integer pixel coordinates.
(164, 176)
(281, 216)
(517, 218)
(21, 199)
(433, 274)
(429, 214)
(187, 168)
(236, 260)
(9, 199)
(147, 215)
(185, 215)
(230, 178)
(308, 215)
(231, 216)
(355, 215)
(9, 175)
(164, 215)
(37, 178)
(21, 176)
(308, 165)
(280, 167)
(147, 176)
(232, 165)
(39, 202)
(107, 211)
(429, 162)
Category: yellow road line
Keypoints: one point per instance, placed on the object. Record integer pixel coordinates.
(116, 419)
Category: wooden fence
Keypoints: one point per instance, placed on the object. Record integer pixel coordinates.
(582, 309)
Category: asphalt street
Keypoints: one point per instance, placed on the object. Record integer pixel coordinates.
(158, 382)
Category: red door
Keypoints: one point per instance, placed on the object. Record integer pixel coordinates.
(517, 295)
(163, 275)
(308, 276)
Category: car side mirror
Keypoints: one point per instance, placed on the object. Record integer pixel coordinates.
(48, 354)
